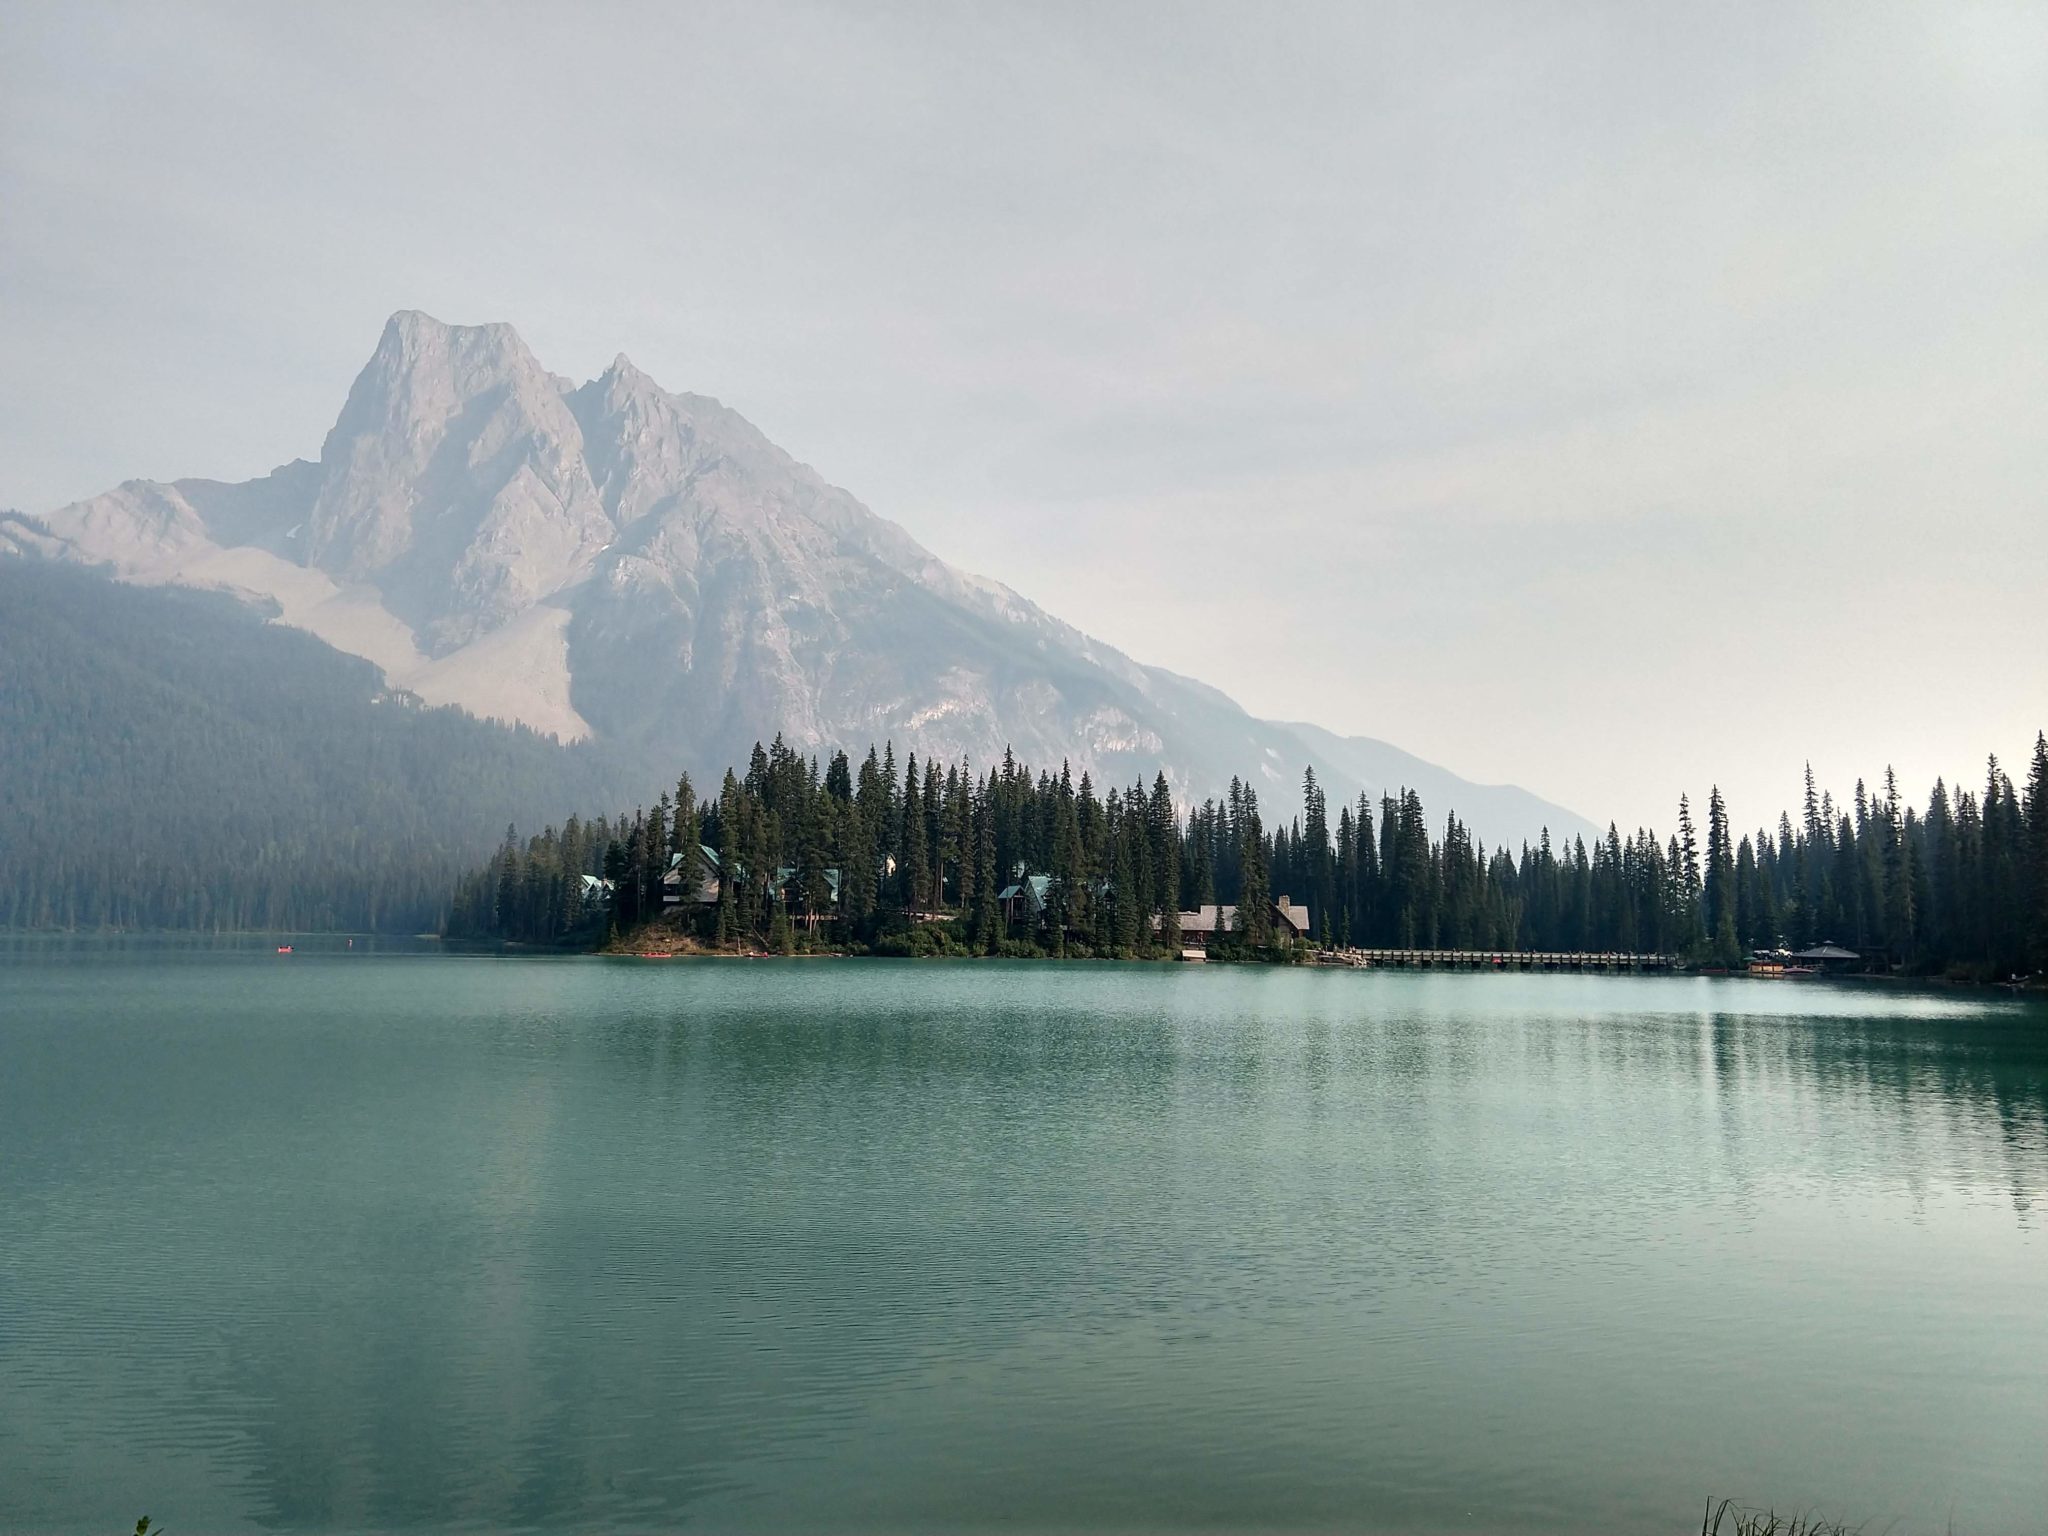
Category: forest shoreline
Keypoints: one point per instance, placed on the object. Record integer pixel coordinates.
(799, 855)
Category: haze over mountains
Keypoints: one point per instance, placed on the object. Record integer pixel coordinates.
(614, 560)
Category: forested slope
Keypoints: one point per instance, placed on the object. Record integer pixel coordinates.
(169, 760)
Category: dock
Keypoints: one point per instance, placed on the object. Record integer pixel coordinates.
(1496, 960)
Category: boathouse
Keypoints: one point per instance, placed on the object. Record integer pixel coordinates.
(1828, 957)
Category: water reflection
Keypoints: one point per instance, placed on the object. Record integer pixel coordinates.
(1904, 1101)
(411, 1244)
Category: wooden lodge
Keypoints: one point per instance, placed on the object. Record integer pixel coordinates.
(1200, 928)
(694, 878)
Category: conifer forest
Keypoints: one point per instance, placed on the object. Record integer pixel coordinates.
(917, 858)
(168, 761)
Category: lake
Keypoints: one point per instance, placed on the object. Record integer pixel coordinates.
(345, 1240)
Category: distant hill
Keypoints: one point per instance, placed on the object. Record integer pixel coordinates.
(170, 760)
(618, 561)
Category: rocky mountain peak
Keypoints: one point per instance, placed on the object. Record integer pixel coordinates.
(623, 376)
(613, 558)
(424, 372)
(454, 479)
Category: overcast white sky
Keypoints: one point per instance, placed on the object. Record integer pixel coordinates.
(1605, 398)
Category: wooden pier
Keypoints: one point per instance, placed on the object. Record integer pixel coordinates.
(1495, 960)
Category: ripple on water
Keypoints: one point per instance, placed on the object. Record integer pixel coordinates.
(449, 1244)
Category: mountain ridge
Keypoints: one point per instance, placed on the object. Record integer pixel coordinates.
(612, 559)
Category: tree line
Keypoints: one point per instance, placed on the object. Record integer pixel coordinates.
(916, 860)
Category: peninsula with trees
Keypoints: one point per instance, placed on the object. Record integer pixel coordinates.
(790, 856)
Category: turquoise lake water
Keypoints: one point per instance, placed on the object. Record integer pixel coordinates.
(411, 1242)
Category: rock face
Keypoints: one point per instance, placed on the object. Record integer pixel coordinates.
(618, 560)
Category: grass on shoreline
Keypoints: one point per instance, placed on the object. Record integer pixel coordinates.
(1727, 1518)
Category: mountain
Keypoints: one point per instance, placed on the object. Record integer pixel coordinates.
(610, 559)
(169, 760)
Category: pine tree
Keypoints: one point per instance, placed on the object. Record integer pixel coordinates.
(1944, 906)
(1320, 887)
(859, 873)
(735, 887)
(685, 831)
(1411, 887)
(815, 820)
(1720, 881)
(1123, 886)
(2037, 855)
(614, 874)
(1897, 893)
(1255, 896)
(568, 915)
(2004, 875)
(839, 779)
(1686, 872)
(960, 841)
(1201, 858)
(933, 897)
(988, 912)
(656, 863)
(1164, 829)
(1813, 852)
(915, 868)
(505, 907)
(1061, 905)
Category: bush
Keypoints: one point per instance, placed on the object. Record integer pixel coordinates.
(934, 939)
(924, 941)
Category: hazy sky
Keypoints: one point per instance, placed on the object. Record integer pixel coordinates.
(1607, 398)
